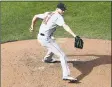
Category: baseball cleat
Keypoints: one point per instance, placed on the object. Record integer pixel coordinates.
(71, 79)
(49, 61)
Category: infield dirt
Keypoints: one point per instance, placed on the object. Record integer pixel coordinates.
(22, 66)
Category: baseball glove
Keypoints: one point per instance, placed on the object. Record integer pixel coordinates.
(78, 42)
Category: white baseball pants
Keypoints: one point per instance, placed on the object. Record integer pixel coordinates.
(53, 48)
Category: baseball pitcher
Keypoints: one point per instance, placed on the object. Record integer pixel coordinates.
(50, 21)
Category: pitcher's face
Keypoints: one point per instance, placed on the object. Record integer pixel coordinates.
(61, 11)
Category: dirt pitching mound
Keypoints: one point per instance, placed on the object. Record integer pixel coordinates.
(22, 66)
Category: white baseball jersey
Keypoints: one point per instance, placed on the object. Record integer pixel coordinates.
(50, 21)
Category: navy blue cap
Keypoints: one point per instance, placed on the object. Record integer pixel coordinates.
(61, 6)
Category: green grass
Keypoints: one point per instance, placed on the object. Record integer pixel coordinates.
(86, 19)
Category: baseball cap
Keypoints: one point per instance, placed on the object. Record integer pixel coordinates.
(61, 6)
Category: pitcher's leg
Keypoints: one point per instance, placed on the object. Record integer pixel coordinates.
(65, 67)
(56, 50)
(49, 57)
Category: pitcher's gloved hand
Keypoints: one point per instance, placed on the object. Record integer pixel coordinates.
(78, 42)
